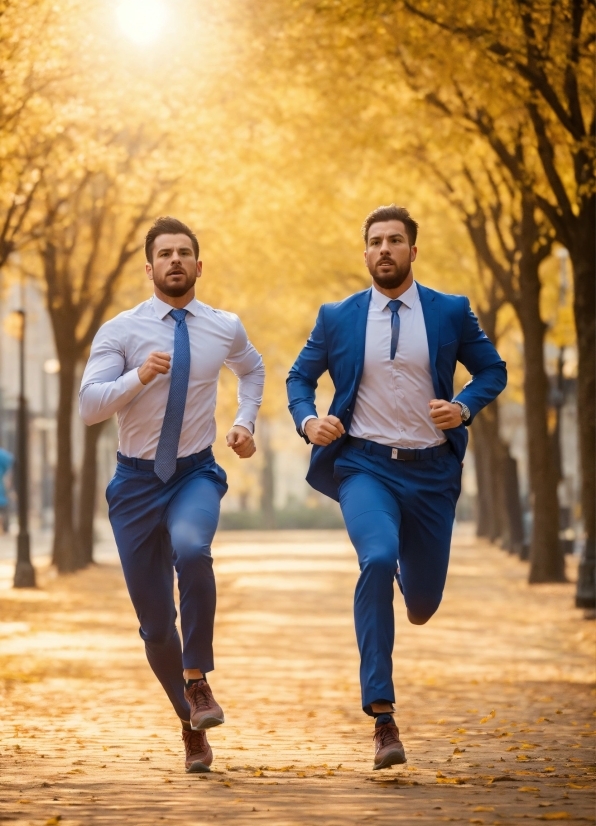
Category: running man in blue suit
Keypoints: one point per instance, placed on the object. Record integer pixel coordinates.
(391, 448)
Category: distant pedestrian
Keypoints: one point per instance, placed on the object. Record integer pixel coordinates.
(157, 367)
(392, 446)
(6, 463)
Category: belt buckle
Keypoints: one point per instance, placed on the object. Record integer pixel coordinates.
(394, 453)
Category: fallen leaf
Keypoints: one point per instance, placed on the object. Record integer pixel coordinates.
(483, 809)
(529, 789)
(489, 717)
(555, 816)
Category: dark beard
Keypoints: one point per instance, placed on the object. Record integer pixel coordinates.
(392, 280)
(177, 291)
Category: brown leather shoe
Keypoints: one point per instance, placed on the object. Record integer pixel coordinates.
(204, 711)
(389, 749)
(198, 751)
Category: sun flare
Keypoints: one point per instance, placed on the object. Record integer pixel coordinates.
(142, 20)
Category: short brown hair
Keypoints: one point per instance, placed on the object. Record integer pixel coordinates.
(168, 226)
(391, 213)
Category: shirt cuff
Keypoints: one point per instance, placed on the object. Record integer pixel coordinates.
(304, 421)
(244, 423)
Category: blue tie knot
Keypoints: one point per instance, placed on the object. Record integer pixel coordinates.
(394, 305)
(178, 315)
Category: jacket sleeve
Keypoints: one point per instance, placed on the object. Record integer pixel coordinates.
(304, 375)
(480, 358)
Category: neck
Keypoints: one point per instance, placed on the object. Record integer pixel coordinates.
(178, 302)
(395, 292)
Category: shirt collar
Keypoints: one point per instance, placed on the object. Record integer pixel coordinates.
(409, 298)
(162, 309)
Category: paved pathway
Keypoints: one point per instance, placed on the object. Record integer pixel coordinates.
(496, 699)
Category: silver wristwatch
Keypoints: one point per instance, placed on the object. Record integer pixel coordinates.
(465, 410)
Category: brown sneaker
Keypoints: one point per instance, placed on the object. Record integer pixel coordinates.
(198, 751)
(389, 749)
(204, 711)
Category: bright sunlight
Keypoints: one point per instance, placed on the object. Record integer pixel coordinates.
(142, 20)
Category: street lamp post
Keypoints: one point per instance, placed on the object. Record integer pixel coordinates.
(24, 575)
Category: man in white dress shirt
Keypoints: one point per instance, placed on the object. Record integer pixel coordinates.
(157, 366)
(391, 448)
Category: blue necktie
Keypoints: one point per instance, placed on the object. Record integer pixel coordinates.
(167, 448)
(394, 307)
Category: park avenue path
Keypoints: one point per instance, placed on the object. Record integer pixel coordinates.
(495, 699)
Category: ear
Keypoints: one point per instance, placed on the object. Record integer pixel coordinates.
(149, 271)
(413, 253)
(199, 269)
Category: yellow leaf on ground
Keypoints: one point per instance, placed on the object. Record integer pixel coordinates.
(529, 789)
(483, 809)
(488, 717)
(555, 816)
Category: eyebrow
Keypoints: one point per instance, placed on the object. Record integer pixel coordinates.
(169, 249)
(390, 235)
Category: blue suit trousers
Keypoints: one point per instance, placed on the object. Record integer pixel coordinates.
(399, 516)
(160, 528)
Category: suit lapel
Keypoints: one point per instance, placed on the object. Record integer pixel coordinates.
(431, 313)
(358, 332)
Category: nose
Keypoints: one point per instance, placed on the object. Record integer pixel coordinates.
(385, 245)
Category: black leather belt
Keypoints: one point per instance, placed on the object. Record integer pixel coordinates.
(401, 454)
(181, 464)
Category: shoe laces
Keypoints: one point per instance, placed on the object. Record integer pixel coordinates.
(200, 695)
(387, 733)
(195, 741)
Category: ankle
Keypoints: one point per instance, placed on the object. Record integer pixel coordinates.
(383, 718)
(194, 681)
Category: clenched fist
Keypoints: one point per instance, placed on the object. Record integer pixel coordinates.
(324, 431)
(241, 441)
(444, 414)
(155, 364)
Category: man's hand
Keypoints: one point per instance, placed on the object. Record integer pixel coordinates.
(444, 414)
(241, 441)
(156, 363)
(324, 431)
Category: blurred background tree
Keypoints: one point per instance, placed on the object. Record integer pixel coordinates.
(273, 130)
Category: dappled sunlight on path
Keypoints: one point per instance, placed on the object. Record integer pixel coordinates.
(495, 699)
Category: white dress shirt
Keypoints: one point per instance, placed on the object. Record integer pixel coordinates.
(391, 406)
(111, 381)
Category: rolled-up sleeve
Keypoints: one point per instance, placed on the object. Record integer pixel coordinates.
(246, 363)
(105, 387)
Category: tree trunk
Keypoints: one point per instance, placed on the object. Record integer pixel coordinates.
(88, 495)
(514, 510)
(583, 257)
(547, 563)
(64, 552)
(489, 476)
(267, 478)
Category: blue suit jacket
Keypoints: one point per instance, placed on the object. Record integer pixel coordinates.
(337, 344)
